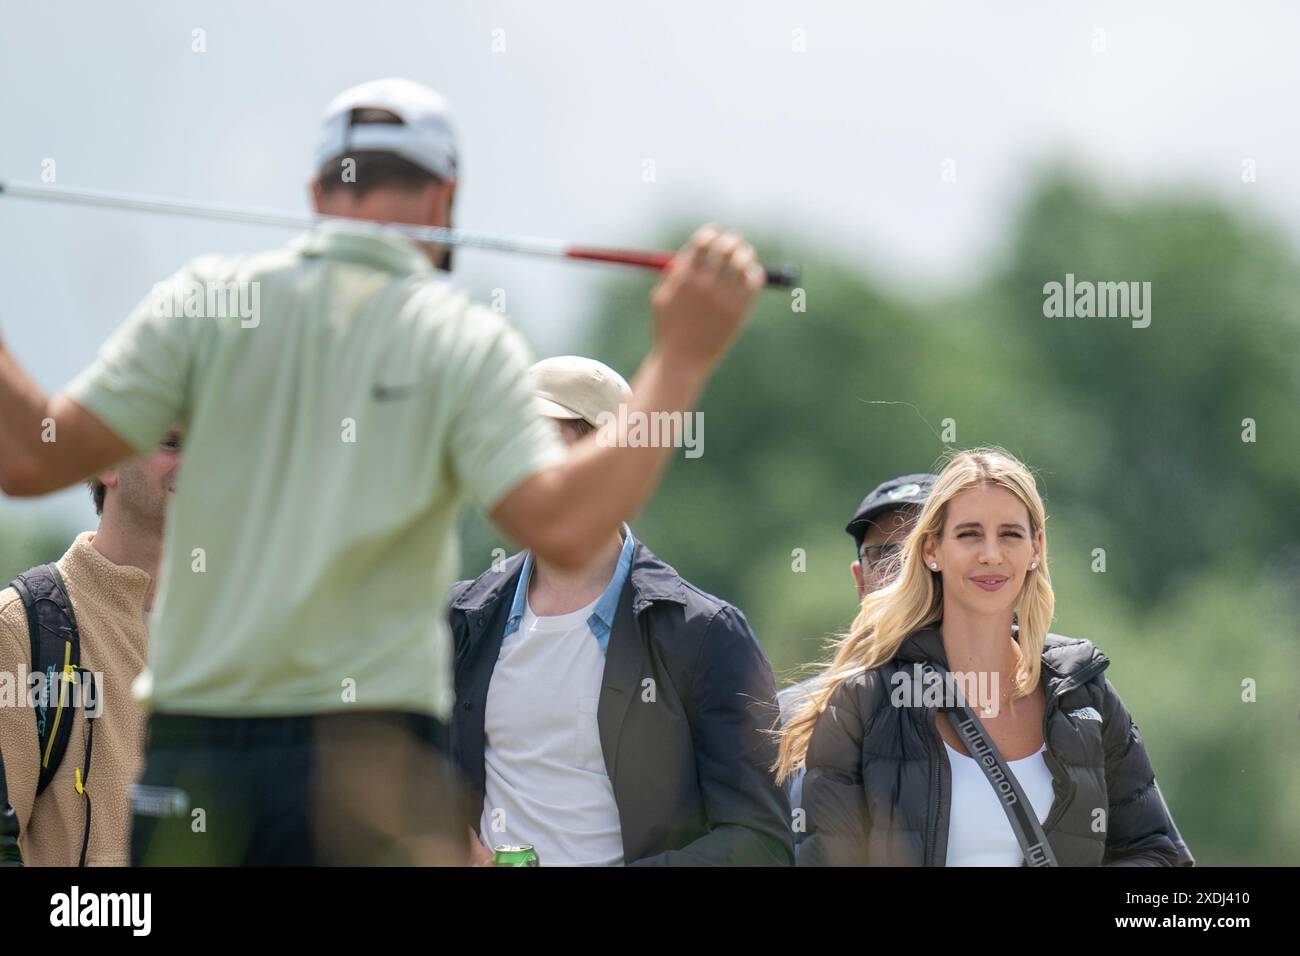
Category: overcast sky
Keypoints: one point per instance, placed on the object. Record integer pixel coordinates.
(830, 122)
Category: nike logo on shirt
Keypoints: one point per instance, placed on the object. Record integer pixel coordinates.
(387, 393)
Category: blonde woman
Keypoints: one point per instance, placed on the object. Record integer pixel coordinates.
(889, 781)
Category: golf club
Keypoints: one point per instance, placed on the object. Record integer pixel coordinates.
(781, 276)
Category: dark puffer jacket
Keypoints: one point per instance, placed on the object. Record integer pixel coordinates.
(879, 785)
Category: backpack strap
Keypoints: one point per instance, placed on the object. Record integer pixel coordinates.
(56, 655)
(1024, 822)
(90, 691)
(10, 855)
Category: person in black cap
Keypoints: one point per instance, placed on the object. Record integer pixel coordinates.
(881, 523)
(878, 528)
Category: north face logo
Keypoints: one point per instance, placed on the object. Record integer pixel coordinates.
(1086, 713)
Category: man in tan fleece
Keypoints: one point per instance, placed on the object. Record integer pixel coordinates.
(110, 577)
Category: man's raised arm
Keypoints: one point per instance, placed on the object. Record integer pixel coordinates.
(567, 512)
(48, 444)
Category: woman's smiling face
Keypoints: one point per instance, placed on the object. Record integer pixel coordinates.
(986, 549)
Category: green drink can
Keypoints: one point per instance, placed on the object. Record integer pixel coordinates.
(522, 854)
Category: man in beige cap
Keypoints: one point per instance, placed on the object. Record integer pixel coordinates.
(574, 391)
(612, 713)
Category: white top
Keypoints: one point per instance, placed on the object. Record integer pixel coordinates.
(979, 833)
(546, 779)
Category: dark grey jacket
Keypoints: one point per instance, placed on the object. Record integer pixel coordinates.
(689, 768)
(879, 785)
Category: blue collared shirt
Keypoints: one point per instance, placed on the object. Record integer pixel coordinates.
(601, 621)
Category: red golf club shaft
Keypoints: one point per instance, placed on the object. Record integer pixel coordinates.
(785, 276)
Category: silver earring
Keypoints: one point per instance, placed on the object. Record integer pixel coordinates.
(1032, 565)
(934, 565)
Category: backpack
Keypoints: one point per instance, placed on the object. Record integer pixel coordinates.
(56, 654)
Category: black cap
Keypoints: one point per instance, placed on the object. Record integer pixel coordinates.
(894, 493)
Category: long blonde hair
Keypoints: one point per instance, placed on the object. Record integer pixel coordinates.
(913, 599)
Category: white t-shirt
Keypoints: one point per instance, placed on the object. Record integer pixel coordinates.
(546, 782)
(979, 833)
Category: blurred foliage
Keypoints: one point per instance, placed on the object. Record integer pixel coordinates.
(26, 541)
(1135, 435)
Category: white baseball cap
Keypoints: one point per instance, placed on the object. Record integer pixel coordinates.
(425, 136)
(570, 386)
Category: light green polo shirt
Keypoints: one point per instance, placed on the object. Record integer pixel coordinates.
(341, 405)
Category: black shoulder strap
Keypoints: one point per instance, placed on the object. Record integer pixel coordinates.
(1020, 812)
(56, 654)
(10, 855)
